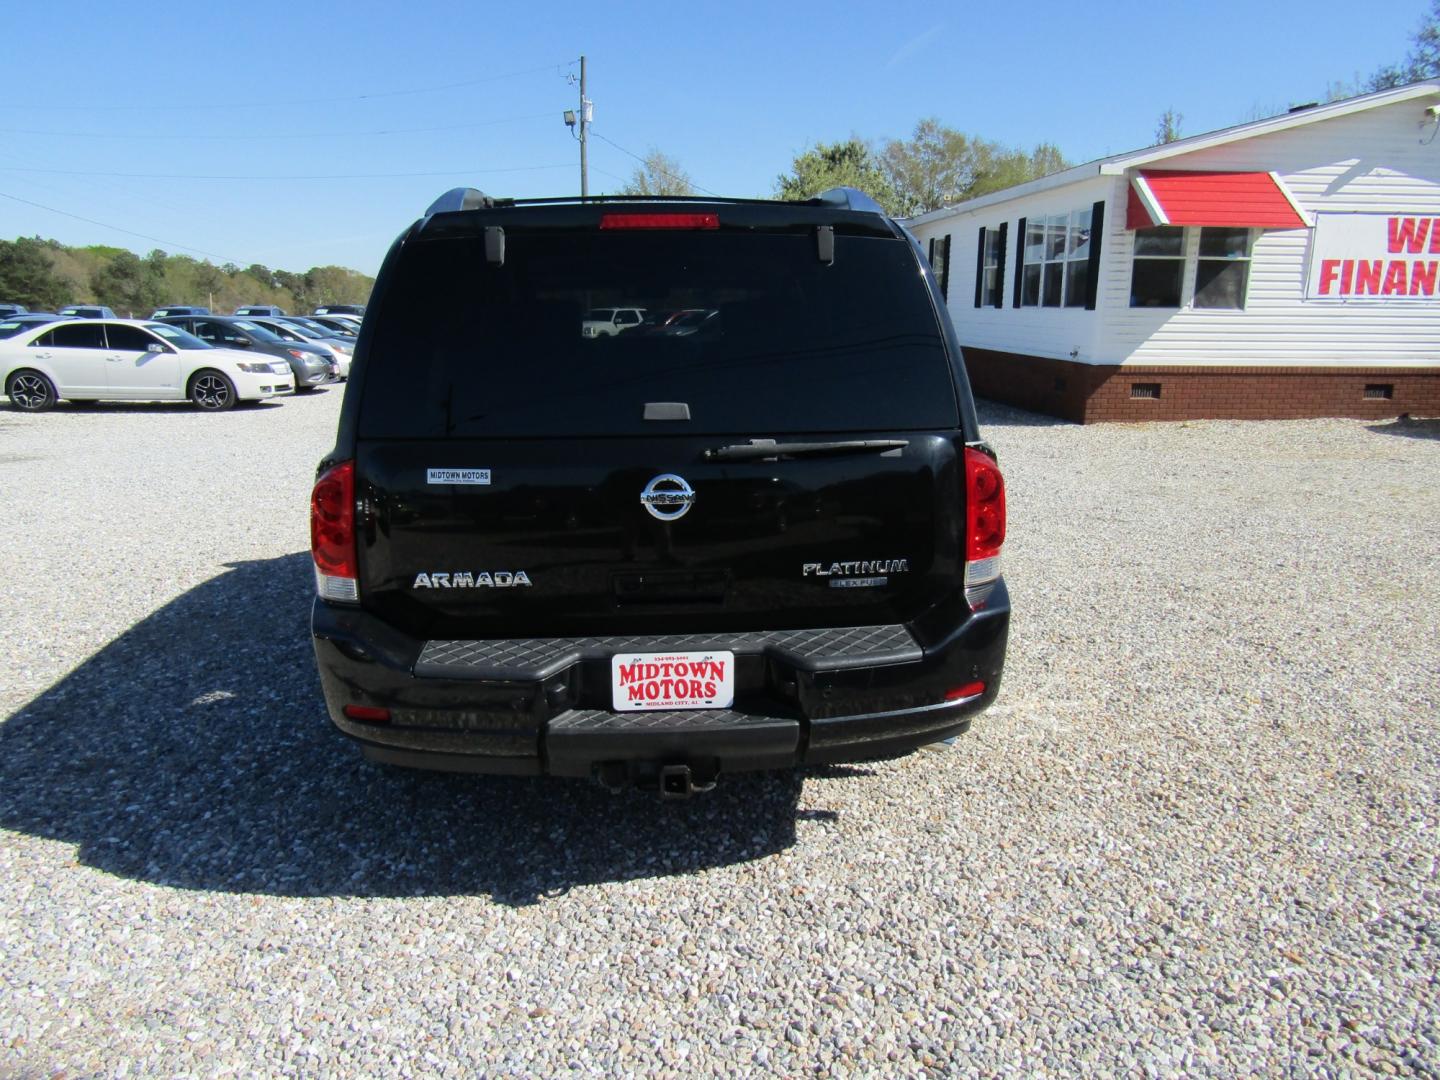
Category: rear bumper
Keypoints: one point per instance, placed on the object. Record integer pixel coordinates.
(543, 708)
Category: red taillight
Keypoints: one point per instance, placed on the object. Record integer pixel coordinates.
(332, 533)
(367, 712)
(984, 506)
(659, 221)
(984, 525)
(973, 689)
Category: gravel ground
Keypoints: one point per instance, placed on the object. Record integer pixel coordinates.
(1197, 835)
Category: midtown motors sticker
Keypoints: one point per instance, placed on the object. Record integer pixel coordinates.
(1374, 257)
(479, 477)
(692, 680)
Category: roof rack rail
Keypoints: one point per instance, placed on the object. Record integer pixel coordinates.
(461, 198)
(848, 198)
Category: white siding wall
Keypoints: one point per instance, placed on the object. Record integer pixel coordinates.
(1368, 161)
(1376, 160)
(1052, 332)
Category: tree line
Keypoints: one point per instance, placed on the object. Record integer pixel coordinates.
(45, 274)
(936, 166)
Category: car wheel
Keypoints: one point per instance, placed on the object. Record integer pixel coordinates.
(212, 391)
(30, 391)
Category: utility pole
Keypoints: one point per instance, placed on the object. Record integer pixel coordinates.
(584, 128)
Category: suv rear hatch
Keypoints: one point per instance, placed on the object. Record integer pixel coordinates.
(784, 453)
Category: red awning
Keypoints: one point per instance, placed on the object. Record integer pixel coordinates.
(1256, 200)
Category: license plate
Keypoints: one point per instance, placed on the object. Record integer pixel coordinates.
(688, 680)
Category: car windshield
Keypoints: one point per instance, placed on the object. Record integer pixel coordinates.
(258, 332)
(775, 340)
(177, 337)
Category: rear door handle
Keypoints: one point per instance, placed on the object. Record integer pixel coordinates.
(115, 359)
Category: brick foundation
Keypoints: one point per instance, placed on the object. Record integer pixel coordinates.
(1093, 393)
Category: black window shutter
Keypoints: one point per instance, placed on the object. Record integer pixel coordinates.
(1000, 268)
(1019, 260)
(930, 254)
(1097, 234)
(980, 266)
(945, 274)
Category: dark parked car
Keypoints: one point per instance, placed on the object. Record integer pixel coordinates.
(179, 309)
(260, 309)
(343, 326)
(657, 559)
(15, 324)
(87, 311)
(7, 310)
(340, 309)
(312, 365)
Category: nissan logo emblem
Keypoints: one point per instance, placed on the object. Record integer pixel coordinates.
(667, 497)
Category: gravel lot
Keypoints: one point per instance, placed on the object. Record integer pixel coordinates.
(1197, 836)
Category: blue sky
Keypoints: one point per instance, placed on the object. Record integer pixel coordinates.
(192, 125)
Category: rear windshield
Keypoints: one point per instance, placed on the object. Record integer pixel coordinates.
(751, 331)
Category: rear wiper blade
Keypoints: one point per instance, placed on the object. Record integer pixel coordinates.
(758, 449)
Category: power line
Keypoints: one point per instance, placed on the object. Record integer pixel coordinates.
(276, 176)
(117, 228)
(171, 107)
(235, 135)
(667, 172)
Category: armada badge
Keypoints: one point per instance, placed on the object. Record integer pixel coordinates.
(667, 497)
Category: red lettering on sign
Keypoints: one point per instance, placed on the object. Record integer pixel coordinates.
(1347, 275)
(636, 692)
(711, 689)
(1408, 233)
(1434, 237)
(1367, 276)
(1329, 269)
(1395, 278)
(629, 673)
(1422, 278)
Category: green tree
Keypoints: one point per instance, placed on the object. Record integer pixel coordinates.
(1423, 60)
(998, 168)
(1167, 128)
(659, 174)
(828, 165)
(129, 284)
(939, 166)
(27, 275)
(935, 166)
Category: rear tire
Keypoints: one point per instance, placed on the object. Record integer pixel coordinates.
(30, 391)
(212, 391)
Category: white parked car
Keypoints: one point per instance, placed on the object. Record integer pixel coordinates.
(132, 360)
(609, 321)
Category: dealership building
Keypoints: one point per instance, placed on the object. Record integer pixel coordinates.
(1282, 268)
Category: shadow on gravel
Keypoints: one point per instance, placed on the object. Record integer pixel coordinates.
(994, 414)
(194, 751)
(156, 408)
(1409, 428)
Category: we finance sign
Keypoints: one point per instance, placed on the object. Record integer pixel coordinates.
(1374, 256)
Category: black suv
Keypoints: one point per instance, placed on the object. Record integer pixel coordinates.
(653, 558)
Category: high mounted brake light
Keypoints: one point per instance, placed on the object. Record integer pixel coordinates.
(659, 221)
(984, 526)
(332, 534)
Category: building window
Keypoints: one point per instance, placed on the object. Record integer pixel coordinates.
(1223, 268)
(1159, 267)
(1056, 260)
(940, 262)
(1077, 259)
(992, 271)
